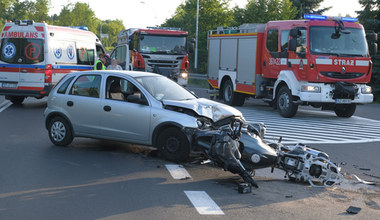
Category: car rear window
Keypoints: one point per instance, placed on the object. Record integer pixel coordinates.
(22, 50)
(62, 89)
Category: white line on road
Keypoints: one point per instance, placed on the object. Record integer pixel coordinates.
(203, 203)
(4, 105)
(177, 171)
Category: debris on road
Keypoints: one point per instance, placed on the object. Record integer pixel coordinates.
(353, 210)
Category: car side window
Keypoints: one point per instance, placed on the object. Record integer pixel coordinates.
(86, 85)
(62, 89)
(123, 90)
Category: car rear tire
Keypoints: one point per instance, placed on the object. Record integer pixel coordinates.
(285, 105)
(173, 145)
(345, 110)
(60, 132)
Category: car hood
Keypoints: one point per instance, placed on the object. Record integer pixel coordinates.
(205, 107)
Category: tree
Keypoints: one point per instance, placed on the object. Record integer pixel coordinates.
(112, 28)
(212, 13)
(308, 7)
(262, 11)
(79, 14)
(29, 10)
(4, 5)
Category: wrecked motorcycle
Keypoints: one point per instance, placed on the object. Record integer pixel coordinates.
(240, 148)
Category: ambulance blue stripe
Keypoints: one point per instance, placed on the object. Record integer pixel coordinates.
(23, 66)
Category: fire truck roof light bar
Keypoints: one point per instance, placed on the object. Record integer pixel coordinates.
(322, 17)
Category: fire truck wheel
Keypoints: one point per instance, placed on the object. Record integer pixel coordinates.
(230, 97)
(173, 145)
(285, 105)
(345, 110)
(17, 100)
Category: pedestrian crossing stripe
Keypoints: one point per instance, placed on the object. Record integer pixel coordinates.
(320, 128)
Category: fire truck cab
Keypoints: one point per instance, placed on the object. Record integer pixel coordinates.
(321, 61)
(159, 50)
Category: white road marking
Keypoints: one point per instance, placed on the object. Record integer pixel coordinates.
(203, 203)
(312, 127)
(4, 105)
(177, 171)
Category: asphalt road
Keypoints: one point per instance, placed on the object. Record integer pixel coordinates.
(94, 179)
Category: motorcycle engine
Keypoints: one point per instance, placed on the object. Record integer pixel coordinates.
(306, 164)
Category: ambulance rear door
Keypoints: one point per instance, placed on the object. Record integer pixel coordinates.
(22, 58)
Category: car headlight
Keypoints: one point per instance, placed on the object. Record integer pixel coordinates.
(184, 75)
(203, 123)
(311, 88)
(366, 90)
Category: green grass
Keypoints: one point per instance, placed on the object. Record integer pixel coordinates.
(199, 82)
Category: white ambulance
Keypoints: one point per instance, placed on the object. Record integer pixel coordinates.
(35, 56)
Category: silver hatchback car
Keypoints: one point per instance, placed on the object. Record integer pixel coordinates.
(135, 107)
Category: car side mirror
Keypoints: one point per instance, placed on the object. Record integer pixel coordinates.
(292, 44)
(192, 45)
(294, 33)
(136, 99)
(373, 49)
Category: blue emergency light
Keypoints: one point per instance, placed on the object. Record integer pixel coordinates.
(315, 17)
(349, 19)
(322, 17)
(85, 28)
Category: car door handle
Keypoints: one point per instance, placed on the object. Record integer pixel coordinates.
(70, 103)
(107, 108)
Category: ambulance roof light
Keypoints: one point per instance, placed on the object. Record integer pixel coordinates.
(322, 17)
(85, 28)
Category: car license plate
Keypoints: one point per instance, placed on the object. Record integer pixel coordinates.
(342, 101)
(8, 85)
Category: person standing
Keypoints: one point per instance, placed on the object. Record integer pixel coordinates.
(100, 63)
(114, 65)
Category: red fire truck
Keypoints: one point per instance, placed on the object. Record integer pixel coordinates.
(159, 50)
(320, 61)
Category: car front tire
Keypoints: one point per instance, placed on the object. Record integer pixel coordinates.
(60, 132)
(173, 145)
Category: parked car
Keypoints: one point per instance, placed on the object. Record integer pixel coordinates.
(135, 107)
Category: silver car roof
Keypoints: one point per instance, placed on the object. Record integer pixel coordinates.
(132, 74)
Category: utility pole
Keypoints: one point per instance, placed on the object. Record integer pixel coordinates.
(196, 41)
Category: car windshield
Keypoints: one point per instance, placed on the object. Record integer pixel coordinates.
(325, 41)
(163, 88)
(163, 44)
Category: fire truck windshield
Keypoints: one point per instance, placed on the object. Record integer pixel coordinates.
(159, 44)
(326, 41)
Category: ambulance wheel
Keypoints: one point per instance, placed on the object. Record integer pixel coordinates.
(285, 105)
(17, 100)
(345, 110)
(60, 132)
(173, 145)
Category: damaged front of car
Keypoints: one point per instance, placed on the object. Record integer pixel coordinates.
(213, 119)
